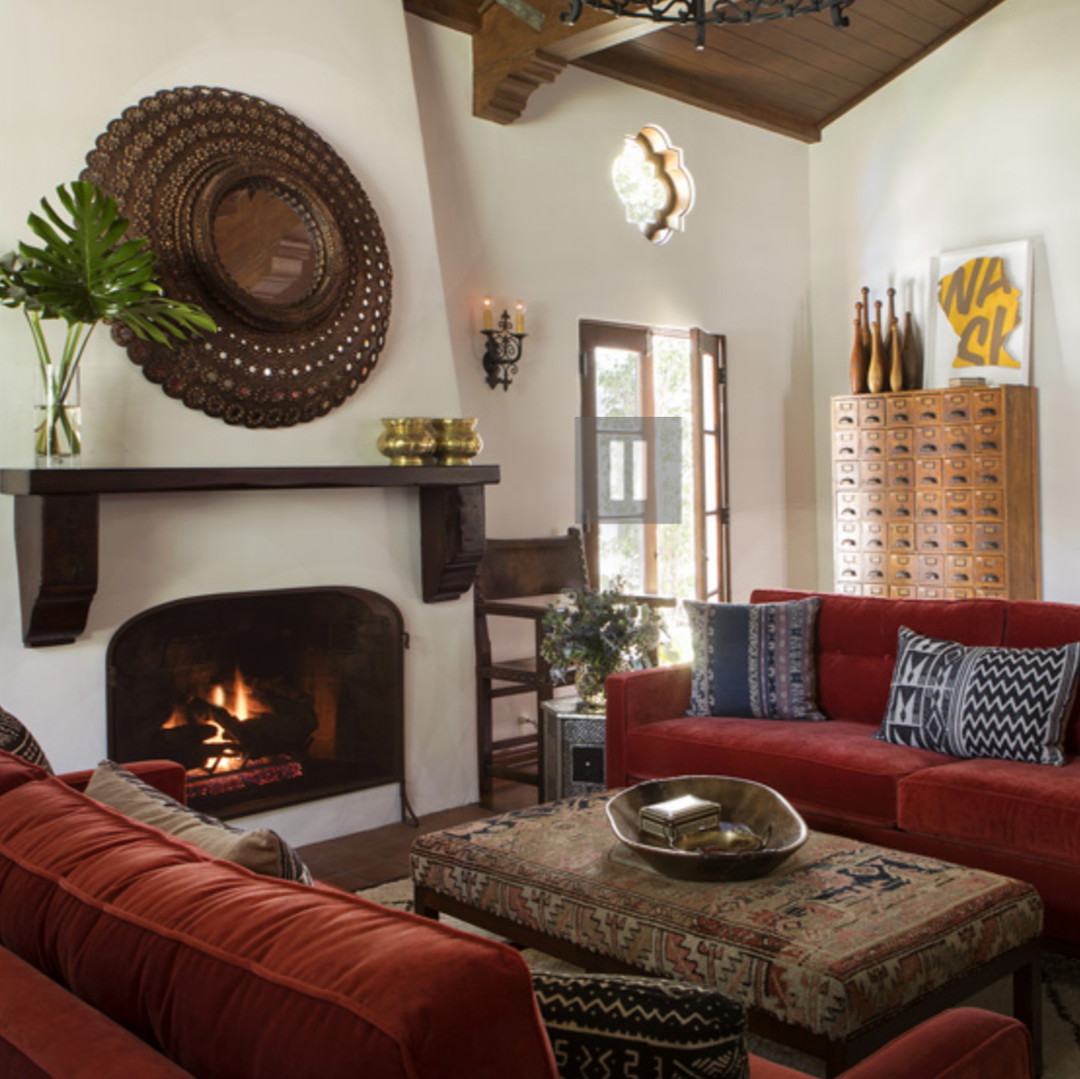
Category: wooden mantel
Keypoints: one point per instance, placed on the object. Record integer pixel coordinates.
(56, 525)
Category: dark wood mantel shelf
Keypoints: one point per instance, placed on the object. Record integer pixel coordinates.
(56, 525)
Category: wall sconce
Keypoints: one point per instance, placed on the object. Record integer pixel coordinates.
(502, 350)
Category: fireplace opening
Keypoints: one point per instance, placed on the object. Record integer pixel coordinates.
(266, 698)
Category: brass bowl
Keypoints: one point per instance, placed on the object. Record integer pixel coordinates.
(456, 440)
(743, 802)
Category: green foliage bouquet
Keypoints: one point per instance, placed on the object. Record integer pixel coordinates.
(597, 634)
(86, 272)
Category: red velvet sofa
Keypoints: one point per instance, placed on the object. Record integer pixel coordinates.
(125, 952)
(1017, 819)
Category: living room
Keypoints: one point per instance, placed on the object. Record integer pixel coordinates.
(963, 149)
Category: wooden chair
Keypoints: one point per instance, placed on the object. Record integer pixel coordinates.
(518, 578)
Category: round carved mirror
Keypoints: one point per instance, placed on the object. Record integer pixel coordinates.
(257, 219)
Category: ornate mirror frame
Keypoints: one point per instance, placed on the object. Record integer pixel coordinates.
(170, 162)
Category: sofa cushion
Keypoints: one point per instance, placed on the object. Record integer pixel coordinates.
(1013, 808)
(641, 1026)
(34, 1008)
(856, 642)
(835, 769)
(230, 973)
(260, 850)
(1008, 703)
(15, 738)
(1038, 624)
(753, 660)
(14, 771)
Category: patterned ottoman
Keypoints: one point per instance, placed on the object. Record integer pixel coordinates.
(835, 952)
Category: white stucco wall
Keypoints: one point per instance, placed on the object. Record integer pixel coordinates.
(974, 145)
(342, 68)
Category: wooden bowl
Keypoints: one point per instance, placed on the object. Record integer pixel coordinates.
(742, 801)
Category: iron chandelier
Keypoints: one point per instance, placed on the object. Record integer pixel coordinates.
(701, 13)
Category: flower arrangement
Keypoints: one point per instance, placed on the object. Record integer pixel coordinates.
(85, 271)
(597, 634)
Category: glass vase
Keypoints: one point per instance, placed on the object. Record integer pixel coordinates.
(57, 421)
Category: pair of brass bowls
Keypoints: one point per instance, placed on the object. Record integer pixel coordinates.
(420, 440)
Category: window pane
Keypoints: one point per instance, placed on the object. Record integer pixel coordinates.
(708, 412)
(712, 554)
(622, 555)
(618, 382)
(712, 495)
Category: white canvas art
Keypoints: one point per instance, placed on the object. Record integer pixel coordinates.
(981, 304)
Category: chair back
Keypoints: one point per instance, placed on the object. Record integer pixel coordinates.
(531, 567)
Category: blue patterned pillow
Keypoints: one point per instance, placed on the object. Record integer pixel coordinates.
(754, 660)
(1008, 703)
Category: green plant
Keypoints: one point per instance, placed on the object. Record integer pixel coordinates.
(604, 631)
(86, 272)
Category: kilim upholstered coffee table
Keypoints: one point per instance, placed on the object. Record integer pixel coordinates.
(834, 953)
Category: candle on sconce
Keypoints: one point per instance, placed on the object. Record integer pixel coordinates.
(488, 324)
(519, 317)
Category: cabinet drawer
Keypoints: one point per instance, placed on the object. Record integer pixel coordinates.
(959, 593)
(879, 590)
(871, 445)
(845, 412)
(900, 441)
(871, 410)
(987, 471)
(989, 537)
(872, 535)
(986, 437)
(986, 404)
(956, 472)
(927, 407)
(957, 505)
(846, 475)
(901, 504)
(928, 506)
(902, 536)
(901, 569)
(925, 592)
(928, 472)
(848, 535)
(929, 440)
(990, 571)
(871, 475)
(989, 503)
(900, 473)
(848, 506)
(957, 438)
(930, 536)
(848, 566)
(959, 571)
(930, 569)
(958, 536)
(846, 444)
(849, 588)
(899, 409)
(874, 567)
(956, 405)
(902, 591)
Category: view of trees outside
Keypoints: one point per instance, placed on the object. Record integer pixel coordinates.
(622, 544)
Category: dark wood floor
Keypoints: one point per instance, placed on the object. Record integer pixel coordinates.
(364, 859)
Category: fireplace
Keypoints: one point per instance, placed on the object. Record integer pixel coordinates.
(266, 698)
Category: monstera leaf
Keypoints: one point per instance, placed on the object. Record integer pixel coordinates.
(84, 271)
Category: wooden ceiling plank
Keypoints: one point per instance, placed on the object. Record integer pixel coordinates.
(687, 87)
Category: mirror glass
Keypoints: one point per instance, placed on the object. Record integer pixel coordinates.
(264, 246)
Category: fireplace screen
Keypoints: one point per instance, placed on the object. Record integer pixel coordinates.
(266, 698)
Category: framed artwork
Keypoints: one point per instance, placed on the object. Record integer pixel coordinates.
(981, 304)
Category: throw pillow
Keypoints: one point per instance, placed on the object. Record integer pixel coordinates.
(1009, 703)
(754, 660)
(259, 850)
(15, 738)
(605, 1025)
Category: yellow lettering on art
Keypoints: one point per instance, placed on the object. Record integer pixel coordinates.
(983, 308)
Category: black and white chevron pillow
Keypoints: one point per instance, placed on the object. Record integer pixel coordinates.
(1009, 703)
(608, 1026)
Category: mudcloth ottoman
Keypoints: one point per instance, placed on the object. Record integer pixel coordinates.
(835, 952)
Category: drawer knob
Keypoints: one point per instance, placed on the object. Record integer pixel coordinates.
(988, 477)
(990, 578)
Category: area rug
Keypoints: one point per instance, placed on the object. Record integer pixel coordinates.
(1061, 997)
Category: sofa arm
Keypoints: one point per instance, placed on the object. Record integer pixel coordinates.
(963, 1043)
(635, 698)
(167, 776)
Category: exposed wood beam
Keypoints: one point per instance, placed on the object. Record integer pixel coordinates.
(511, 58)
(460, 15)
(692, 90)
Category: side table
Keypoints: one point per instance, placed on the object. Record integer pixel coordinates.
(572, 743)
